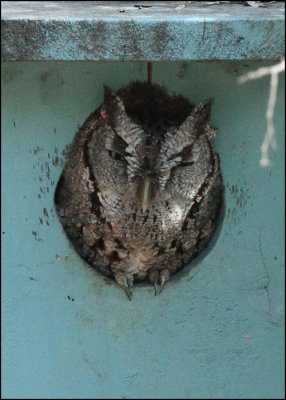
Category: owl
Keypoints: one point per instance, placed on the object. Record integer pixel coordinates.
(141, 190)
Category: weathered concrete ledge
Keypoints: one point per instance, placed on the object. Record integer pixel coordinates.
(100, 30)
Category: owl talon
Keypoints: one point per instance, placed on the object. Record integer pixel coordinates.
(128, 291)
(164, 277)
(156, 288)
(154, 278)
(126, 283)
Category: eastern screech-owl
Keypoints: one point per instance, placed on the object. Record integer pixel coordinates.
(140, 192)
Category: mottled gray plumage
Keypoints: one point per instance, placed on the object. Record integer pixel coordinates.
(141, 189)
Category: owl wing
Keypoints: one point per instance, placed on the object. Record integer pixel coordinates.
(201, 217)
(76, 196)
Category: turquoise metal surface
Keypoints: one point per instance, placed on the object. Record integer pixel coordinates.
(84, 30)
(217, 330)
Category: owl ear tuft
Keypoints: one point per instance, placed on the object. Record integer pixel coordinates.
(195, 125)
(112, 102)
(199, 118)
(113, 111)
(107, 93)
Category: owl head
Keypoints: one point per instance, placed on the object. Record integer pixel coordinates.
(150, 145)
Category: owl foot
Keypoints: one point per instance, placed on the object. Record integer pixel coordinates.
(126, 283)
(155, 277)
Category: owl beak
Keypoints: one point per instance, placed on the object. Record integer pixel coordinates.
(146, 193)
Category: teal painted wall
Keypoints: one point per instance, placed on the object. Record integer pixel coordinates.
(217, 330)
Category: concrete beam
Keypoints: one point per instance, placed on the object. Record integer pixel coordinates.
(119, 30)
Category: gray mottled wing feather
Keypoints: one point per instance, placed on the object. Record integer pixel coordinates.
(76, 198)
